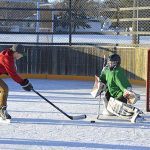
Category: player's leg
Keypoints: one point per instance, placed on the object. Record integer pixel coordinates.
(3, 100)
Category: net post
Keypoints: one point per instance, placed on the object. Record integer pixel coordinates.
(148, 82)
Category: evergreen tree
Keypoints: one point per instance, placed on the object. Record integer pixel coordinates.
(75, 18)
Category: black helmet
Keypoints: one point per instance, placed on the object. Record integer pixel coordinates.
(115, 58)
(18, 48)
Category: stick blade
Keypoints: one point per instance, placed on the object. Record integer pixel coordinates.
(78, 117)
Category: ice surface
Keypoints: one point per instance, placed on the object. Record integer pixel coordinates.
(36, 125)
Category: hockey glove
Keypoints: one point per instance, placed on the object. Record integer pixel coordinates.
(131, 97)
(126, 93)
(26, 85)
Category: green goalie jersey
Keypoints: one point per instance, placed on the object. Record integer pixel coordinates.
(115, 80)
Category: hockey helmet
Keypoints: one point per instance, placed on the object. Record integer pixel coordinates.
(113, 61)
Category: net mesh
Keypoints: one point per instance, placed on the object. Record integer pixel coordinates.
(119, 22)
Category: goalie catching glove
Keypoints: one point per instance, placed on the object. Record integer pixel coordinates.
(131, 97)
(26, 85)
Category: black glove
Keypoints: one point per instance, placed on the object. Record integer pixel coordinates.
(26, 85)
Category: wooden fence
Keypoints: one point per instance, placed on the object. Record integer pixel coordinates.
(81, 61)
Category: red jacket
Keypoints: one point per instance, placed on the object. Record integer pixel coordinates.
(7, 65)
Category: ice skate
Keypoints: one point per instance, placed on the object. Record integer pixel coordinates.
(136, 116)
(139, 119)
(4, 116)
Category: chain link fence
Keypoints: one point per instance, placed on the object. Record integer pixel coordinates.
(75, 22)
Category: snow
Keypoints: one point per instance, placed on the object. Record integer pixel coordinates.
(89, 38)
(36, 125)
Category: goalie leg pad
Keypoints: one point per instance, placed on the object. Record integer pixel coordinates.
(119, 108)
(124, 111)
(105, 110)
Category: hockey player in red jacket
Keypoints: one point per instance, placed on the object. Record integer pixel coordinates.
(7, 66)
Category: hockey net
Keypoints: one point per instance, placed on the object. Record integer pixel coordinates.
(148, 83)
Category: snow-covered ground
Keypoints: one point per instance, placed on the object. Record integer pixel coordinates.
(91, 38)
(36, 125)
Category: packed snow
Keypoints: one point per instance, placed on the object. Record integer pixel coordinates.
(36, 125)
(91, 38)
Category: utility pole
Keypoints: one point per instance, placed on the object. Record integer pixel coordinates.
(135, 23)
(37, 20)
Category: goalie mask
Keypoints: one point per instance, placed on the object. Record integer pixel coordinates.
(113, 61)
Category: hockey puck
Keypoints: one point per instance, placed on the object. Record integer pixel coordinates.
(92, 121)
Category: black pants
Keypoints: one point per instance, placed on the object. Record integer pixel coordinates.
(121, 99)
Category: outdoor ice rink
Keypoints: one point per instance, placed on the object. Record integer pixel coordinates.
(36, 125)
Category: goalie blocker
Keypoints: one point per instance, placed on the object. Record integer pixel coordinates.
(98, 87)
(123, 110)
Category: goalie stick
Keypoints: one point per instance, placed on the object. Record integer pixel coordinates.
(70, 117)
(104, 64)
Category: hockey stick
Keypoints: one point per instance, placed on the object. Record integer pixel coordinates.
(104, 64)
(70, 117)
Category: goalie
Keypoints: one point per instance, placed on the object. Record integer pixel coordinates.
(118, 93)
